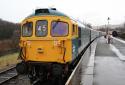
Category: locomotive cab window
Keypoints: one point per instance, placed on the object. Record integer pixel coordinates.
(59, 28)
(27, 29)
(41, 28)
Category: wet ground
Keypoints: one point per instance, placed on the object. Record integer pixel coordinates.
(109, 69)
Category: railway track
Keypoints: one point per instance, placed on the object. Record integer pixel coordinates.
(7, 74)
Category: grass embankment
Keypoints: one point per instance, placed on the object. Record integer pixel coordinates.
(8, 60)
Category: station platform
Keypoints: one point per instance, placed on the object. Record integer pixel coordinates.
(106, 65)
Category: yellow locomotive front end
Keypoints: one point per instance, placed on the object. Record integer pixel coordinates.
(48, 46)
(46, 39)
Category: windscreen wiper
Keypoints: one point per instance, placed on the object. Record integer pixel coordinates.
(54, 26)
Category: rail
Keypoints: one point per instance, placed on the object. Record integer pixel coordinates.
(7, 74)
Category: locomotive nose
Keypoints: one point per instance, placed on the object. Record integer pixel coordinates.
(22, 68)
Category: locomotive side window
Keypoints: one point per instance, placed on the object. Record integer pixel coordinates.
(73, 29)
(76, 29)
(59, 28)
(27, 29)
(41, 28)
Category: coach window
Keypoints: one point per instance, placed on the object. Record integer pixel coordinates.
(27, 29)
(41, 28)
(59, 28)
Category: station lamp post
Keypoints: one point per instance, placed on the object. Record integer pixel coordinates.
(108, 35)
(107, 32)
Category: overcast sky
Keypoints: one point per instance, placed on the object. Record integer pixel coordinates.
(91, 11)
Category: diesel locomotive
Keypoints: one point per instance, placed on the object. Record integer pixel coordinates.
(50, 43)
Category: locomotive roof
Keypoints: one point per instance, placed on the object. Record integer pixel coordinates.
(43, 12)
(52, 11)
